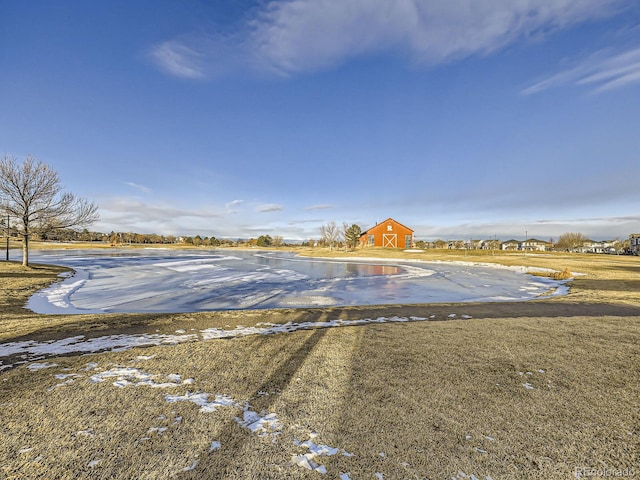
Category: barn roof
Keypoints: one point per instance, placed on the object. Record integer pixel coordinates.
(384, 221)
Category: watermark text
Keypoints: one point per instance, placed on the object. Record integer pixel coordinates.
(604, 472)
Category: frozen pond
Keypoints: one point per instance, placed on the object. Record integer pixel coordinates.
(155, 280)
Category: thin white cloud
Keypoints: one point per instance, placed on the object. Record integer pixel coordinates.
(231, 206)
(269, 207)
(320, 207)
(177, 58)
(303, 35)
(139, 187)
(602, 71)
(317, 221)
(234, 203)
(131, 210)
(287, 37)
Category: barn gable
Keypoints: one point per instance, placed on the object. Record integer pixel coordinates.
(388, 234)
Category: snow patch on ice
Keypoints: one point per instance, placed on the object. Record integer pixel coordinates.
(56, 298)
(196, 264)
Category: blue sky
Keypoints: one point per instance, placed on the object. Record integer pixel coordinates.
(458, 118)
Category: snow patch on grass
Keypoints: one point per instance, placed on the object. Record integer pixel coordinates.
(31, 350)
(127, 376)
(202, 400)
(41, 366)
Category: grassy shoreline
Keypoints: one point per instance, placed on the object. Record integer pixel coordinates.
(425, 399)
(606, 284)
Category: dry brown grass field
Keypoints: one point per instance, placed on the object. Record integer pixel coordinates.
(547, 389)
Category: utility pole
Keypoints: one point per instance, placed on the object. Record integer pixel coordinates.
(7, 237)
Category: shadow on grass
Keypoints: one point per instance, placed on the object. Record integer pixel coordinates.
(279, 380)
(611, 285)
(28, 274)
(48, 328)
(96, 325)
(119, 325)
(629, 268)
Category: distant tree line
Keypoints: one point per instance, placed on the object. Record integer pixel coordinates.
(131, 238)
(333, 236)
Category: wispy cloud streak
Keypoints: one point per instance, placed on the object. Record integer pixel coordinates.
(320, 207)
(602, 71)
(269, 207)
(231, 206)
(289, 37)
(179, 59)
(133, 210)
(139, 187)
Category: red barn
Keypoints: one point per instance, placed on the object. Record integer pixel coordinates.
(387, 234)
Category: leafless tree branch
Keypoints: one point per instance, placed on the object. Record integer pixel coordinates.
(31, 192)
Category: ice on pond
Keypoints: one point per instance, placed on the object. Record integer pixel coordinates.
(187, 281)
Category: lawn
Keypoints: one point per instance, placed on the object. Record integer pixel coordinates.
(542, 389)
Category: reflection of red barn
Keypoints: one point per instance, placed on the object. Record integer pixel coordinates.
(387, 234)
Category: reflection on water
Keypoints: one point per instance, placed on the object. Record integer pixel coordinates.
(362, 269)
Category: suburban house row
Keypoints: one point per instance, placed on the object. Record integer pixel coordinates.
(393, 234)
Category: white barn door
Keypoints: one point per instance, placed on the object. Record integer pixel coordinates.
(390, 240)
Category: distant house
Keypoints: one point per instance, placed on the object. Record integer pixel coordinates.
(634, 243)
(490, 244)
(387, 234)
(510, 245)
(612, 246)
(535, 245)
(591, 246)
(529, 245)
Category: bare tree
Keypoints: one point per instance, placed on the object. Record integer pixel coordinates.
(571, 241)
(618, 246)
(330, 234)
(32, 193)
(440, 243)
